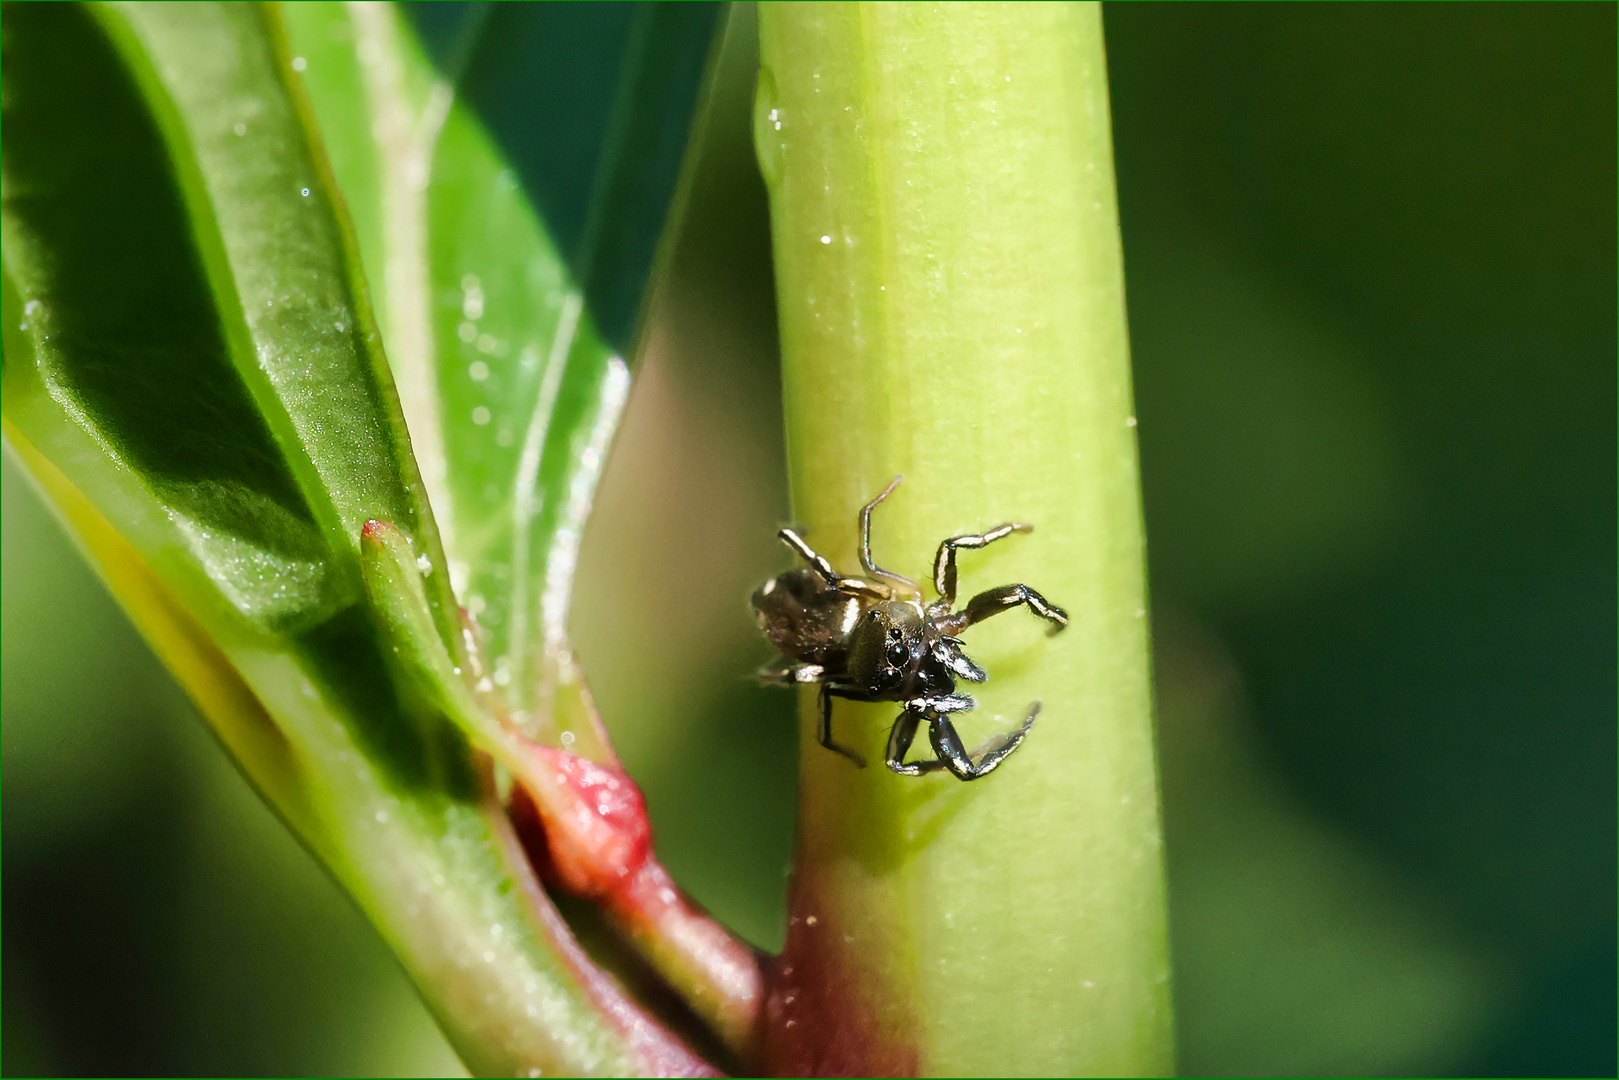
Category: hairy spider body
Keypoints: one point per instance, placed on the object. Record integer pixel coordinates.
(871, 638)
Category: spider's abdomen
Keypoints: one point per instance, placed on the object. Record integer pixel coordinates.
(806, 620)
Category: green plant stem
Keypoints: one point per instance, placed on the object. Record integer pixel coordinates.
(951, 301)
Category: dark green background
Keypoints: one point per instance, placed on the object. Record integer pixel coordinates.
(1370, 256)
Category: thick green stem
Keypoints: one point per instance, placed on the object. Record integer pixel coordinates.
(952, 309)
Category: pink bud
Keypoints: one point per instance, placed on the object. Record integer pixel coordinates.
(592, 832)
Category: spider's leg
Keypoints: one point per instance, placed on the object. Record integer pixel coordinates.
(834, 580)
(865, 541)
(994, 601)
(944, 564)
(947, 650)
(824, 729)
(784, 672)
(900, 737)
(943, 703)
(809, 555)
(899, 744)
(982, 762)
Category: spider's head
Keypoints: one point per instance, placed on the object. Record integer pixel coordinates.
(889, 648)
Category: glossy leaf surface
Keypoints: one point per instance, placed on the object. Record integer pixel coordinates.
(193, 374)
(509, 206)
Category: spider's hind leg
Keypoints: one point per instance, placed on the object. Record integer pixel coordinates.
(784, 672)
(817, 562)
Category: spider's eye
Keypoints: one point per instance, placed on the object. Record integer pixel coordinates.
(898, 655)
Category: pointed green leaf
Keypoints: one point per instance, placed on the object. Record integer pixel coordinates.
(510, 169)
(191, 373)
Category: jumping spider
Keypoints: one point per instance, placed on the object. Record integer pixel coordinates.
(871, 639)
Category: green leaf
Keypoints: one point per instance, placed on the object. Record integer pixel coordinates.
(192, 373)
(510, 207)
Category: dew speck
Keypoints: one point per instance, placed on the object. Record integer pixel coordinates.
(424, 565)
(481, 415)
(489, 956)
(382, 817)
(340, 327)
(305, 192)
(567, 738)
(467, 331)
(824, 239)
(240, 130)
(503, 437)
(478, 371)
(487, 343)
(1129, 421)
(299, 63)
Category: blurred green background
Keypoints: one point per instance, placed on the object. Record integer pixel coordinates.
(1370, 255)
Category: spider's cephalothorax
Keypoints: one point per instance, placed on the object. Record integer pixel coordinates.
(871, 639)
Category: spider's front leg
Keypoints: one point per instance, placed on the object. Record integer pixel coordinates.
(994, 601)
(899, 744)
(944, 563)
(866, 562)
(947, 744)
